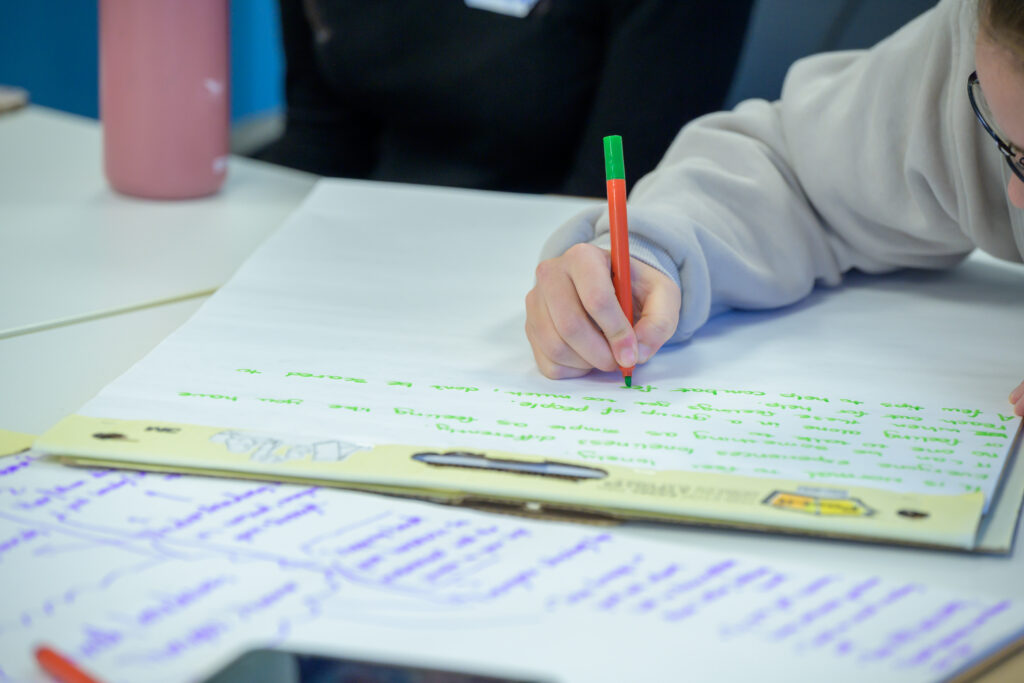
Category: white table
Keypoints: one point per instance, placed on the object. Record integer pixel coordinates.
(47, 374)
(71, 248)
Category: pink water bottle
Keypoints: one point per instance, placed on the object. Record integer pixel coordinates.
(164, 96)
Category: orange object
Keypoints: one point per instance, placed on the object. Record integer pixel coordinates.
(615, 174)
(60, 667)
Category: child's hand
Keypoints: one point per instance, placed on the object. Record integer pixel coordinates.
(1017, 399)
(575, 324)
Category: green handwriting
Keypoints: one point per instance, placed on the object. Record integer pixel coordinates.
(969, 412)
(311, 375)
(354, 409)
(465, 419)
(716, 392)
(800, 397)
(902, 406)
(584, 428)
(760, 455)
(641, 445)
(558, 406)
(532, 394)
(604, 457)
(788, 406)
(215, 396)
(699, 417)
(444, 427)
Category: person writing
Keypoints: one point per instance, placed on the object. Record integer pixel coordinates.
(910, 154)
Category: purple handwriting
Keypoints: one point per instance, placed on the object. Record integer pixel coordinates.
(585, 545)
(176, 602)
(74, 506)
(595, 585)
(815, 613)
(19, 465)
(244, 516)
(125, 480)
(61, 490)
(464, 561)
(682, 587)
(455, 564)
(98, 641)
(780, 606)
(272, 522)
(833, 630)
(952, 639)
(902, 637)
(204, 634)
(38, 502)
(167, 496)
(716, 593)
(203, 512)
(267, 600)
(18, 539)
(410, 567)
(381, 535)
(311, 491)
(412, 554)
(519, 580)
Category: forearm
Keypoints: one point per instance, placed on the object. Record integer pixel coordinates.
(756, 206)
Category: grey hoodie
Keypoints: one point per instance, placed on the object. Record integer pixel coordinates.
(871, 159)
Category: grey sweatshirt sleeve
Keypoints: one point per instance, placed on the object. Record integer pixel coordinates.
(856, 166)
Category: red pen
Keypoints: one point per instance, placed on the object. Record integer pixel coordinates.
(60, 667)
(615, 180)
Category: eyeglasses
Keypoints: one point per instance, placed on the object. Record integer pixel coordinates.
(1014, 157)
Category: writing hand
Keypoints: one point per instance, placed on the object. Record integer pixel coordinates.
(1017, 399)
(575, 324)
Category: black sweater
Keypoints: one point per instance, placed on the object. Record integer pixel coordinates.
(431, 91)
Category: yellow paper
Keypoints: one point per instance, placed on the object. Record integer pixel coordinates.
(14, 442)
(616, 493)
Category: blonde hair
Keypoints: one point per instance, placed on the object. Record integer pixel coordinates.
(1003, 22)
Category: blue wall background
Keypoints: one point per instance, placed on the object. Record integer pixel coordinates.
(50, 48)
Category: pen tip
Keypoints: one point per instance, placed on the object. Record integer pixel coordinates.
(629, 380)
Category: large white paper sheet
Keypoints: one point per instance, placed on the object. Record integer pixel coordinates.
(390, 314)
(141, 576)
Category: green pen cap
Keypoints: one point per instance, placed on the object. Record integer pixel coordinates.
(614, 168)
